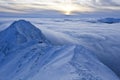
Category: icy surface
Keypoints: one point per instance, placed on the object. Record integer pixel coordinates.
(61, 49)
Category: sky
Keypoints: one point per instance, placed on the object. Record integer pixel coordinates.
(46, 8)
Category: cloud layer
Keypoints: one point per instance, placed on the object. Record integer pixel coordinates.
(63, 6)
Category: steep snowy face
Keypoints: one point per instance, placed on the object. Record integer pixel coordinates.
(20, 32)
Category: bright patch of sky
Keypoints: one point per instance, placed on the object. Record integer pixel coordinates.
(63, 6)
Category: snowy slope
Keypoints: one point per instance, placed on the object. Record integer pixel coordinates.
(103, 39)
(57, 63)
(77, 63)
(20, 32)
(31, 56)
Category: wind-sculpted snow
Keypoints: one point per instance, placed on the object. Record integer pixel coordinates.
(89, 67)
(58, 53)
(57, 63)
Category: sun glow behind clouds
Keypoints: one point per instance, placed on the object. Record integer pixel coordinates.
(66, 7)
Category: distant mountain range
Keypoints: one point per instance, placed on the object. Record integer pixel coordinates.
(106, 20)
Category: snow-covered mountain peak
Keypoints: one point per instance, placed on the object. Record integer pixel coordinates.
(21, 24)
(21, 21)
(22, 28)
(20, 32)
(28, 30)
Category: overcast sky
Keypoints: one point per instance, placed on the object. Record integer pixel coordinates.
(35, 8)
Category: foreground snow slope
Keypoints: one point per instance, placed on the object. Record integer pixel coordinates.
(38, 58)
